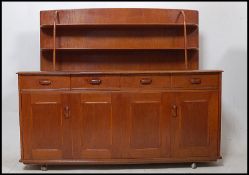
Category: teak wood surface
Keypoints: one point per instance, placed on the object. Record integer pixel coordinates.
(119, 86)
(119, 39)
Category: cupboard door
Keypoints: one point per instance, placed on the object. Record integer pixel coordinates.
(92, 134)
(44, 125)
(195, 124)
(147, 127)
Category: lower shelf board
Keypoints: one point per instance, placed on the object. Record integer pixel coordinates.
(120, 161)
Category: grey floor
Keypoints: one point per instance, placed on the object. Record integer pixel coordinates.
(232, 162)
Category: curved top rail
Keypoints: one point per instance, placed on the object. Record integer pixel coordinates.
(118, 16)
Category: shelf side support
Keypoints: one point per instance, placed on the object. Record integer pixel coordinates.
(185, 39)
(54, 40)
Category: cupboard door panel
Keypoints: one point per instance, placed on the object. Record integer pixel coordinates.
(46, 119)
(44, 126)
(96, 123)
(92, 113)
(196, 124)
(147, 125)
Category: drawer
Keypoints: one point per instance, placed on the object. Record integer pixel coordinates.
(146, 81)
(44, 82)
(94, 81)
(195, 81)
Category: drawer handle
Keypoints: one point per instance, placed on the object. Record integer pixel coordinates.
(66, 112)
(195, 81)
(45, 82)
(145, 81)
(174, 110)
(95, 81)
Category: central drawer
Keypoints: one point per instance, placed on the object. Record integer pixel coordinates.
(145, 81)
(95, 81)
(120, 81)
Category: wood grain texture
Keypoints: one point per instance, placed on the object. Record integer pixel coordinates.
(118, 16)
(195, 81)
(147, 127)
(189, 26)
(78, 82)
(135, 39)
(92, 125)
(133, 60)
(119, 161)
(196, 125)
(153, 81)
(121, 93)
(44, 126)
(143, 119)
(118, 72)
(44, 82)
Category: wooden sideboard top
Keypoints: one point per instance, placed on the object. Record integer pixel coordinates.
(112, 72)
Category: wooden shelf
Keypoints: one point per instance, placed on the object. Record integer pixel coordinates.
(147, 25)
(118, 49)
(136, 39)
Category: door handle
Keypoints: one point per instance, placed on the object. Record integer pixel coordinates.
(174, 110)
(195, 81)
(145, 81)
(66, 112)
(44, 82)
(95, 81)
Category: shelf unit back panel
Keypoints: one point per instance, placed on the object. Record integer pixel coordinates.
(119, 60)
(119, 38)
(124, 39)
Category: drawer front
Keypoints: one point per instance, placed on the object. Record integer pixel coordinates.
(146, 81)
(78, 82)
(44, 82)
(195, 81)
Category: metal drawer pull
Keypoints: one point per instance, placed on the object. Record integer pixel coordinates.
(45, 82)
(66, 112)
(95, 81)
(145, 81)
(195, 81)
(174, 110)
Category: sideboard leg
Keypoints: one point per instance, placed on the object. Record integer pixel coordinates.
(193, 165)
(44, 167)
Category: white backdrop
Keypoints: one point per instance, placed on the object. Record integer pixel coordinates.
(223, 45)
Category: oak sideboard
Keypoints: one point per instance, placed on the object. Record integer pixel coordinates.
(119, 86)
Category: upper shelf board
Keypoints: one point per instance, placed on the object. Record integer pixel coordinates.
(120, 49)
(146, 25)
